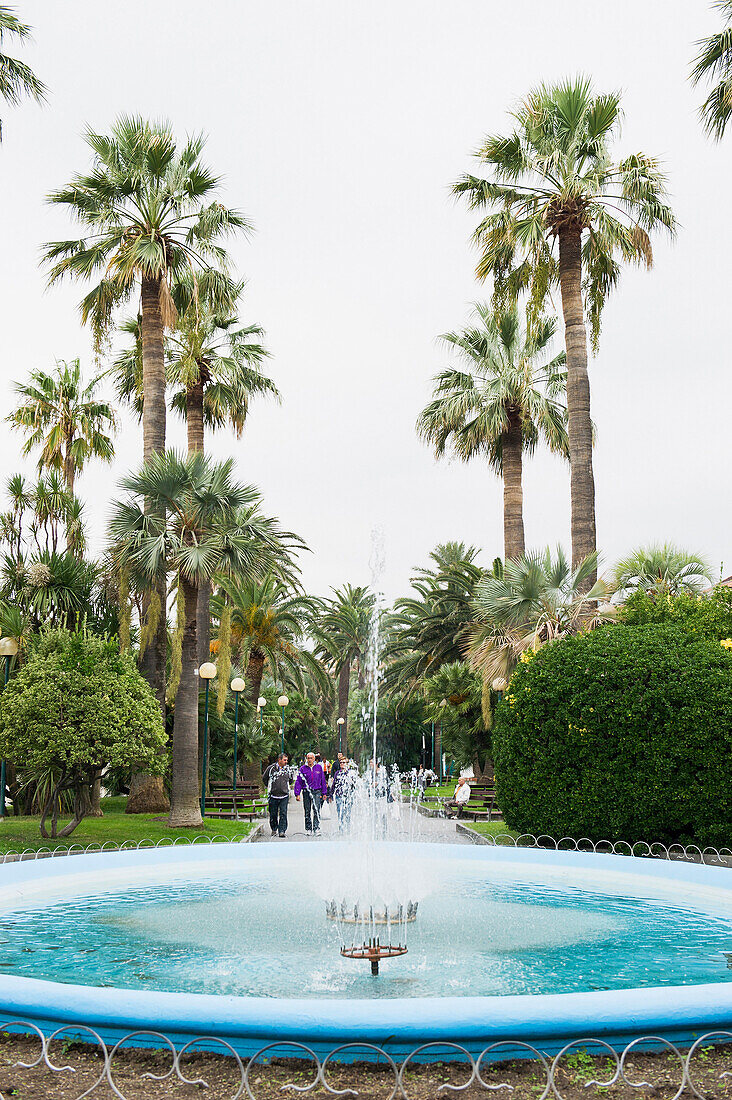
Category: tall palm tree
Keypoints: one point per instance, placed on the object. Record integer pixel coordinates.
(661, 570)
(271, 625)
(345, 622)
(536, 599)
(16, 78)
(150, 219)
(508, 396)
(563, 212)
(65, 418)
(714, 63)
(186, 516)
(215, 366)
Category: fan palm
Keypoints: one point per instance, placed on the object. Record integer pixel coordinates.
(345, 623)
(714, 63)
(65, 418)
(508, 396)
(536, 599)
(16, 78)
(150, 218)
(563, 212)
(187, 516)
(661, 570)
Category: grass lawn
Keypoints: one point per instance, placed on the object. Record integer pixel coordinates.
(489, 828)
(18, 833)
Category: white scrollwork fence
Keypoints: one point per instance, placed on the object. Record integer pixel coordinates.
(691, 853)
(581, 1063)
(13, 855)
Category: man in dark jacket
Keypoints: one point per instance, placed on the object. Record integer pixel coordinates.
(278, 792)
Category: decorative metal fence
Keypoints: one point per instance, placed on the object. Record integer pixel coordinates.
(691, 853)
(132, 1071)
(12, 856)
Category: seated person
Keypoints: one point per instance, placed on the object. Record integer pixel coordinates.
(461, 796)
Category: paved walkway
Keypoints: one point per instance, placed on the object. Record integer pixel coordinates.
(412, 826)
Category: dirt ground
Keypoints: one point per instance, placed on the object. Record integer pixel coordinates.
(659, 1075)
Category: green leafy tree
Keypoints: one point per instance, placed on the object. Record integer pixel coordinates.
(189, 518)
(563, 212)
(661, 569)
(708, 615)
(713, 63)
(402, 724)
(507, 397)
(623, 733)
(77, 707)
(65, 419)
(17, 80)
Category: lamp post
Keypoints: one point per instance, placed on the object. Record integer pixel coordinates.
(237, 686)
(432, 765)
(261, 704)
(283, 702)
(340, 723)
(207, 672)
(499, 685)
(443, 704)
(8, 649)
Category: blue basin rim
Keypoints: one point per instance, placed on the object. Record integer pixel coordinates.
(677, 1013)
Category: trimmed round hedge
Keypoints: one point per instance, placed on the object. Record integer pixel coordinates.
(624, 733)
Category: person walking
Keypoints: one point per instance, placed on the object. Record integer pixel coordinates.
(278, 793)
(312, 785)
(342, 792)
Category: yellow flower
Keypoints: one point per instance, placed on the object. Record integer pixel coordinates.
(726, 643)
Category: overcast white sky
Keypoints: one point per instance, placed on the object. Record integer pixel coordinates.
(338, 128)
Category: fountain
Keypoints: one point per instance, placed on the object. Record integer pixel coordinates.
(229, 940)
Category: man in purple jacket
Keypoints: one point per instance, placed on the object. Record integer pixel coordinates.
(312, 785)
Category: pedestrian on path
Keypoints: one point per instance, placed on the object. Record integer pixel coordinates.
(312, 784)
(278, 793)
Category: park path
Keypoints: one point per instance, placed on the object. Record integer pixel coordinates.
(412, 826)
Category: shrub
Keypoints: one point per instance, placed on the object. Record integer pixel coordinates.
(75, 708)
(622, 733)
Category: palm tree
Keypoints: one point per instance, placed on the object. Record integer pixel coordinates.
(536, 599)
(430, 629)
(151, 220)
(65, 419)
(187, 516)
(16, 78)
(563, 212)
(142, 205)
(345, 623)
(270, 622)
(714, 63)
(661, 570)
(508, 396)
(215, 366)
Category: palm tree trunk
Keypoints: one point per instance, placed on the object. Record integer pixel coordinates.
(584, 538)
(513, 498)
(185, 809)
(194, 424)
(344, 687)
(251, 772)
(147, 794)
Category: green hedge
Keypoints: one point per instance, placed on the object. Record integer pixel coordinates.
(623, 733)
